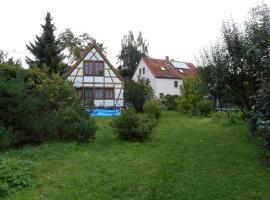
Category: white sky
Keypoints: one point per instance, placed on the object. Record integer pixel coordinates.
(177, 28)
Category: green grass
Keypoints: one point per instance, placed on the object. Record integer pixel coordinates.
(186, 158)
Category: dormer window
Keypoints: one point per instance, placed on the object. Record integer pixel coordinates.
(180, 70)
(162, 68)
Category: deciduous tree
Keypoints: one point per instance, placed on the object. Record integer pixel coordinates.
(75, 45)
(132, 50)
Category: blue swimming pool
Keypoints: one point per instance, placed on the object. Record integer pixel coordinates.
(104, 112)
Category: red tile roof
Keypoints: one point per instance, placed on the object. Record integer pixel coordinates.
(170, 71)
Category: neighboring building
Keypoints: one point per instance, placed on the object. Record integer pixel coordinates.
(165, 76)
(96, 81)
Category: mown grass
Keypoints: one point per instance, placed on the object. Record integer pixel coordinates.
(186, 158)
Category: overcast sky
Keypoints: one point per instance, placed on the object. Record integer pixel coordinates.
(176, 28)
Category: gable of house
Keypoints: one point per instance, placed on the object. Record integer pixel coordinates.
(95, 79)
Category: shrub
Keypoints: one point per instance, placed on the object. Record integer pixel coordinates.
(204, 107)
(136, 93)
(191, 101)
(170, 101)
(36, 107)
(72, 124)
(152, 107)
(226, 117)
(133, 126)
(5, 137)
(194, 105)
(15, 175)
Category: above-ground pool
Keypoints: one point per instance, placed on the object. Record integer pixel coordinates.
(104, 112)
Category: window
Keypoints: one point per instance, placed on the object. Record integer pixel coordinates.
(175, 84)
(88, 68)
(98, 93)
(99, 69)
(88, 96)
(162, 68)
(93, 68)
(143, 71)
(140, 72)
(108, 93)
(180, 70)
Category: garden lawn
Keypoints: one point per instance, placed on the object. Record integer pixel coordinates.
(186, 158)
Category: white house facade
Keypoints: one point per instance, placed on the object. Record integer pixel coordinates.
(95, 79)
(165, 76)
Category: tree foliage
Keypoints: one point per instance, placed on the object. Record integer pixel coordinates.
(235, 67)
(136, 93)
(244, 59)
(36, 107)
(191, 101)
(132, 50)
(46, 49)
(262, 112)
(75, 45)
(5, 60)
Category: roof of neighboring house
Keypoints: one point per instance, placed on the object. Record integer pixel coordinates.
(169, 69)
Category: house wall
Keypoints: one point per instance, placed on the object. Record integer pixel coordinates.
(159, 85)
(148, 74)
(109, 80)
(166, 86)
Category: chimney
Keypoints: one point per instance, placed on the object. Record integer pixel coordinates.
(167, 59)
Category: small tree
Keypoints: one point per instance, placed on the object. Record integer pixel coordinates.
(190, 97)
(46, 49)
(136, 93)
(191, 101)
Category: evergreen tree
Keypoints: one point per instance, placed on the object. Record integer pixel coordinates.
(46, 50)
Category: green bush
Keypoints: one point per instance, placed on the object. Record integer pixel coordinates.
(5, 137)
(191, 101)
(15, 175)
(136, 93)
(133, 126)
(36, 107)
(72, 124)
(152, 107)
(194, 105)
(170, 101)
(226, 117)
(204, 107)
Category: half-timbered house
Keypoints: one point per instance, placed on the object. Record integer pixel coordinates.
(96, 81)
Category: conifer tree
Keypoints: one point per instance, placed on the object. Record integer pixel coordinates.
(45, 49)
